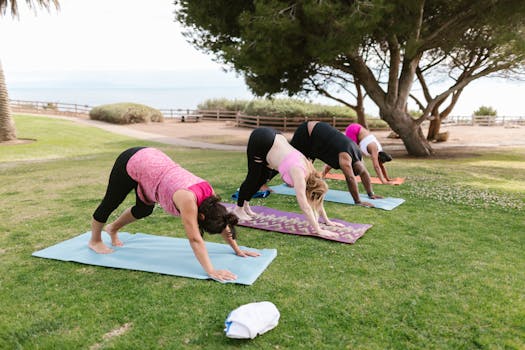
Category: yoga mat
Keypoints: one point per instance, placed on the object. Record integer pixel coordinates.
(344, 197)
(159, 254)
(374, 180)
(280, 221)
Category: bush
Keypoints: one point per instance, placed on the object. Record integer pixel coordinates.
(126, 113)
(223, 104)
(278, 107)
(485, 111)
(295, 108)
(376, 124)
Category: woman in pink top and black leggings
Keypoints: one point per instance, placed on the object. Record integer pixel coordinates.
(158, 179)
(269, 152)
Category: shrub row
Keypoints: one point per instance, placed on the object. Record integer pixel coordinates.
(287, 108)
(126, 113)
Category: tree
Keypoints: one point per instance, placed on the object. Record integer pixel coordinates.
(7, 125)
(282, 46)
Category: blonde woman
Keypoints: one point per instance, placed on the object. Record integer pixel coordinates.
(268, 153)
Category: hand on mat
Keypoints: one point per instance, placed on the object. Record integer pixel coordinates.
(332, 223)
(326, 233)
(245, 253)
(375, 196)
(222, 275)
(365, 204)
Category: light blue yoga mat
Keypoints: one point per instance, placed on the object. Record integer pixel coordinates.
(160, 254)
(344, 197)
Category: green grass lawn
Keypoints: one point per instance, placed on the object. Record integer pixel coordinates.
(445, 270)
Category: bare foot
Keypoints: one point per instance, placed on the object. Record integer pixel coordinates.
(115, 241)
(99, 247)
(265, 187)
(249, 211)
(241, 214)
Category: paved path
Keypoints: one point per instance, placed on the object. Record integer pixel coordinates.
(142, 135)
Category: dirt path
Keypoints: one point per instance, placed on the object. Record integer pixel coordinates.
(223, 135)
(462, 139)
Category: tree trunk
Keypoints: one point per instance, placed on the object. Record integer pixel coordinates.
(7, 125)
(361, 117)
(433, 128)
(360, 105)
(409, 131)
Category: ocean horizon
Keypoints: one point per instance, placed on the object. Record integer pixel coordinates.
(160, 98)
(188, 89)
(158, 89)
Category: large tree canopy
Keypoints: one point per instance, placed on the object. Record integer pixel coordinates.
(382, 46)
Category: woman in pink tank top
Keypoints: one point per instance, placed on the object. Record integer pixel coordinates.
(268, 153)
(158, 179)
(370, 146)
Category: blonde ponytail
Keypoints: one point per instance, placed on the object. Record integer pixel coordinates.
(316, 188)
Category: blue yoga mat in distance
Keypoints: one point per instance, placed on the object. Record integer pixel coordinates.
(344, 197)
(160, 254)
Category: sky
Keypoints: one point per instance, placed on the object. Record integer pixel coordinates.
(140, 36)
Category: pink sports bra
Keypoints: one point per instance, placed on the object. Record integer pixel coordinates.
(294, 158)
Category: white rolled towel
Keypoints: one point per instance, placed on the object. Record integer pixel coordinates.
(249, 320)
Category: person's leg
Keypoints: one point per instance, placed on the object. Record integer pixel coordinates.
(119, 186)
(259, 144)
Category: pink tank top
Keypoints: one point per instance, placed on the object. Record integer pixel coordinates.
(159, 178)
(352, 131)
(294, 158)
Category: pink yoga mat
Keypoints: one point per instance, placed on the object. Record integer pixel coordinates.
(374, 180)
(269, 219)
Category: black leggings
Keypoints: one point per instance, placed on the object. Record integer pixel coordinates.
(119, 186)
(260, 142)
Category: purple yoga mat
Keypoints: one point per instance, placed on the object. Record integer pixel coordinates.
(285, 222)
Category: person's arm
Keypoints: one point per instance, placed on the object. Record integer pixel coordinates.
(345, 162)
(378, 167)
(385, 173)
(227, 236)
(326, 170)
(297, 176)
(187, 205)
(326, 220)
(365, 179)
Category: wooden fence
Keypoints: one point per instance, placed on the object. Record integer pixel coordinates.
(484, 120)
(55, 108)
(218, 114)
(288, 123)
(280, 123)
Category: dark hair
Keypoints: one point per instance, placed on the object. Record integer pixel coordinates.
(216, 217)
(384, 157)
